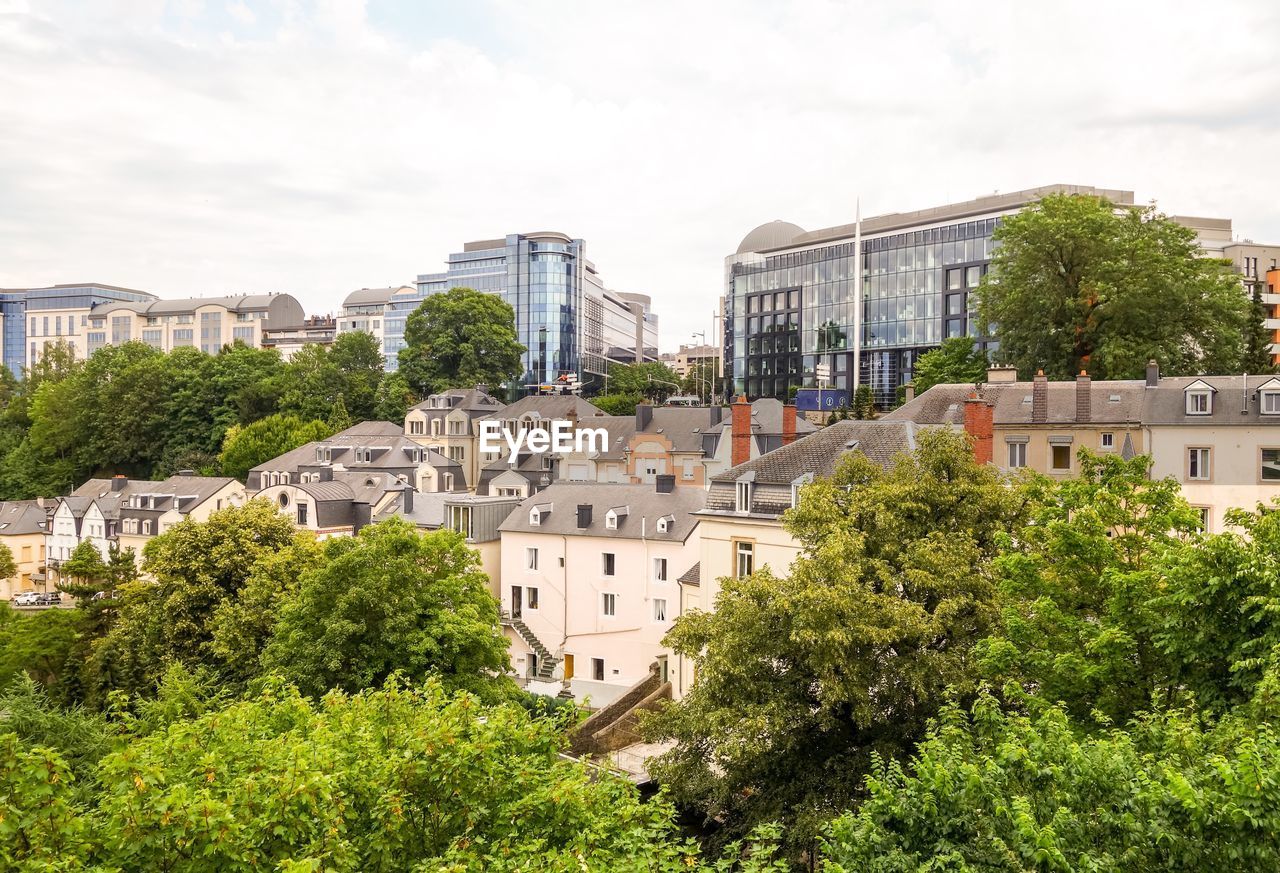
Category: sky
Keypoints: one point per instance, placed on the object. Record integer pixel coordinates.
(195, 147)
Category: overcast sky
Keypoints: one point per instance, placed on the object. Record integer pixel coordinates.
(191, 147)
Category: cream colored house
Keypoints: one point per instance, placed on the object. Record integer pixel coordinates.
(205, 323)
(590, 583)
(447, 422)
(23, 526)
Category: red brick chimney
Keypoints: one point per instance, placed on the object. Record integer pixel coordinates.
(1040, 398)
(978, 425)
(788, 424)
(740, 427)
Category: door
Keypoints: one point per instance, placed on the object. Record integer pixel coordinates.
(568, 666)
(663, 672)
(517, 601)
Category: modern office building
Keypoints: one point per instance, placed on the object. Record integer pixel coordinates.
(35, 316)
(565, 317)
(789, 293)
(366, 309)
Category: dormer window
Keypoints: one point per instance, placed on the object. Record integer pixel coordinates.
(745, 484)
(615, 516)
(665, 523)
(1199, 398)
(803, 479)
(1269, 397)
(537, 513)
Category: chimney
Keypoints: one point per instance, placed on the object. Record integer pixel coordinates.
(584, 516)
(978, 425)
(1039, 398)
(406, 500)
(908, 392)
(740, 427)
(644, 416)
(326, 474)
(665, 483)
(118, 482)
(788, 424)
(1001, 374)
(1153, 374)
(717, 415)
(1084, 397)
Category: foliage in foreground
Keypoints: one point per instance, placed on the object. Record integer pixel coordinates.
(995, 791)
(385, 780)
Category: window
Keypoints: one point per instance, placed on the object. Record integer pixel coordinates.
(686, 471)
(146, 527)
(664, 523)
(435, 427)
(1270, 465)
(744, 555)
(608, 604)
(1271, 402)
(302, 513)
(457, 453)
(1108, 441)
(660, 569)
(659, 609)
(531, 594)
(1061, 457)
(954, 279)
(1205, 517)
(460, 520)
(1199, 403)
(608, 564)
(611, 520)
(1018, 455)
(1198, 463)
(446, 481)
(597, 669)
(535, 517)
(973, 275)
(531, 559)
(744, 497)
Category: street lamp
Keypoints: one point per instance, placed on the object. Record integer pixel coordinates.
(702, 368)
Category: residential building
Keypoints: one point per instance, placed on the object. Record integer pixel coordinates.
(708, 356)
(366, 310)
(565, 317)
(520, 475)
(1271, 301)
(315, 330)
(128, 512)
(23, 527)
(36, 317)
(205, 323)
(589, 583)
(476, 518)
(449, 423)
(790, 294)
(1038, 425)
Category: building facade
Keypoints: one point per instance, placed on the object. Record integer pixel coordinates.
(205, 323)
(565, 317)
(288, 340)
(36, 317)
(366, 310)
(790, 294)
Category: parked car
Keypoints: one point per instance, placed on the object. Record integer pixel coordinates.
(27, 598)
(53, 598)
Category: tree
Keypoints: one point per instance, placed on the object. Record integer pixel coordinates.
(1258, 339)
(460, 338)
(993, 790)
(38, 645)
(702, 381)
(394, 398)
(195, 567)
(360, 362)
(309, 383)
(618, 404)
(392, 600)
(93, 582)
(247, 447)
(1075, 584)
(864, 404)
(958, 361)
(801, 678)
(339, 418)
(652, 380)
(1076, 284)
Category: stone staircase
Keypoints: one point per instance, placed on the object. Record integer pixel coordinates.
(546, 662)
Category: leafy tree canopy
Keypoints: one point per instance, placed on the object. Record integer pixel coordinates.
(247, 447)
(652, 380)
(1078, 284)
(458, 339)
(958, 361)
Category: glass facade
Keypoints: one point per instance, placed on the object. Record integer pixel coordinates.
(565, 318)
(16, 304)
(789, 311)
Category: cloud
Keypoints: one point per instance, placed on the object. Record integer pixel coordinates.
(319, 147)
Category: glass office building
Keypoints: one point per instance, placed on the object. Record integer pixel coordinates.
(790, 294)
(34, 316)
(565, 317)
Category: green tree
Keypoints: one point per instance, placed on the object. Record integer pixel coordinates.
(194, 568)
(394, 398)
(864, 404)
(360, 362)
(339, 418)
(392, 600)
(802, 678)
(702, 381)
(38, 645)
(93, 583)
(1077, 284)
(247, 447)
(1075, 584)
(1258, 339)
(8, 566)
(460, 338)
(618, 404)
(958, 361)
(309, 384)
(996, 791)
(652, 380)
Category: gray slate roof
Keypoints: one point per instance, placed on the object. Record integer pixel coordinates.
(467, 399)
(644, 502)
(549, 406)
(21, 517)
(1235, 402)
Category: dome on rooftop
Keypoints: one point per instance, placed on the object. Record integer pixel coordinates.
(769, 236)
